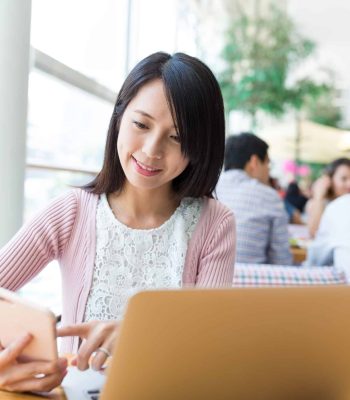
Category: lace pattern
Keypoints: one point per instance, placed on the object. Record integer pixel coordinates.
(129, 260)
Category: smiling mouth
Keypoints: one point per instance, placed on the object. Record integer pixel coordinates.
(145, 167)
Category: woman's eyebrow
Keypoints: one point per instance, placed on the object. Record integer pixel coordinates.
(148, 116)
(144, 114)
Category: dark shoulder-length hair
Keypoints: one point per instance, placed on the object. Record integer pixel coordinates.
(196, 105)
(331, 169)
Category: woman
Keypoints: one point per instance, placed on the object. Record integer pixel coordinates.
(148, 220)
(295, 197)
(333, 183)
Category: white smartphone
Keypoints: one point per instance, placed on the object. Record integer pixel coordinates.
(18, 316)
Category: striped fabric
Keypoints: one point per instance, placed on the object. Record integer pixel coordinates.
(259, 275)
(66, 231)
(261, 220)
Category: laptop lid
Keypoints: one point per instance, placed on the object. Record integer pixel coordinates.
(260, 343)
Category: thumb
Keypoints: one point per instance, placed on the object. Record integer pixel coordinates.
(14, 349)
(71, 330)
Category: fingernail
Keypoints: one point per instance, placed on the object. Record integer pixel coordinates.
(95, 367)
(27, 336)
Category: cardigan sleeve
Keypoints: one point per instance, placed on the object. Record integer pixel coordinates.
(38, 242)
(216, 265)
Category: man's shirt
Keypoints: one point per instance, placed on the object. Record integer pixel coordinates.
(332, 242)
(261, 220)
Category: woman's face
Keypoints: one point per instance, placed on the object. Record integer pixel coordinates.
(341, 180)
(148, 145)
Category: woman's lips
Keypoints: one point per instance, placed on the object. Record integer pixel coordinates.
(144, 169)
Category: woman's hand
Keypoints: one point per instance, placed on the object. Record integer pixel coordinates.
(321, 187)
(38, 376)
(99, 337)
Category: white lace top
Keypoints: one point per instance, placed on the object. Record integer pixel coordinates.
(129, 260)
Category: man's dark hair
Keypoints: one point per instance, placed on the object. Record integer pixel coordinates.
(240, 148)
(196, 104)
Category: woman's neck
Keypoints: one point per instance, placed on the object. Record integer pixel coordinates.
(143, 209)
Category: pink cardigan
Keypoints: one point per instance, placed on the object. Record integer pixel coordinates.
(66, 231)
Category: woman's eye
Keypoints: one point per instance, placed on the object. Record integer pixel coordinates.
(176, 138)
(139, 125)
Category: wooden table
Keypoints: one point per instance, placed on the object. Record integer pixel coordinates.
(56, 394)
(299, 254)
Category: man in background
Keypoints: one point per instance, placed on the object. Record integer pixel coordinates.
(262, 223)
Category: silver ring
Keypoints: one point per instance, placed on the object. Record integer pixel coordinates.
(104, 350)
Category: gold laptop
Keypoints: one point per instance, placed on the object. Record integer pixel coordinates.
(251, 344)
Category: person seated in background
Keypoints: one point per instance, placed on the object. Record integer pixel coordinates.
(295, 197)
(274, 183)
(262, 234)
(333, 183)
(332, 245)
(294, 215)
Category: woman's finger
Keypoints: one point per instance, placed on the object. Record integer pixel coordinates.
(103, 334)
(44, 384)
(20, 372)
(105, 350)
(9, 354)
(101, 356)
(99, 359)
(85, 331)
(85, 351)
(81, 330)
(73, 362)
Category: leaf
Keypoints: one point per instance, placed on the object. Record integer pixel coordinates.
(259, 56)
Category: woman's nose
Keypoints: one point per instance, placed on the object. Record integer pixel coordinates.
(152, 147)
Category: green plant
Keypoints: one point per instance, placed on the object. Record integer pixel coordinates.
(324, 109)
(260, 54)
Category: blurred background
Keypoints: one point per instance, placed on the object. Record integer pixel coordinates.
(283, 67)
